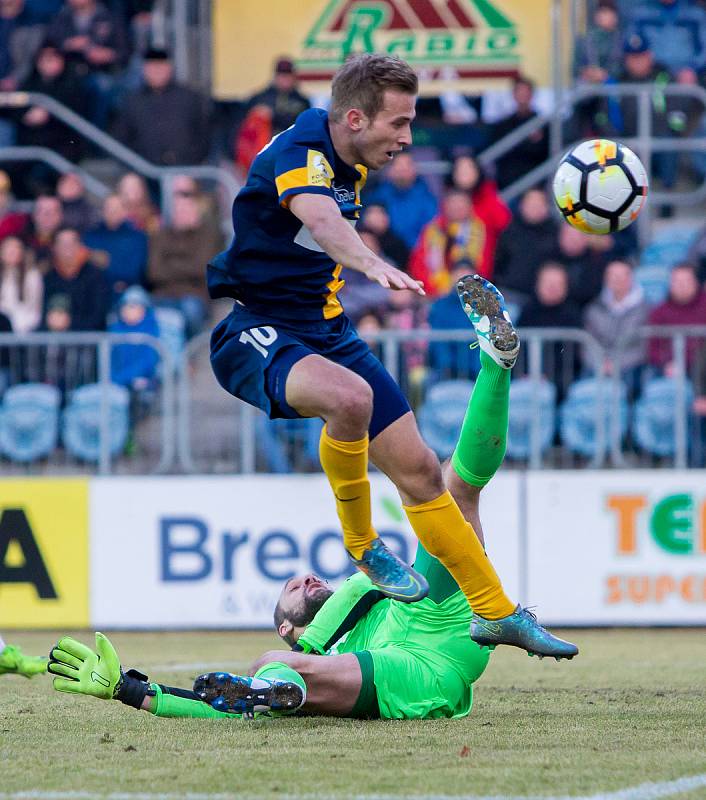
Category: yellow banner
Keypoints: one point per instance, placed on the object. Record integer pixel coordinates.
(43, 553)
(482, 42)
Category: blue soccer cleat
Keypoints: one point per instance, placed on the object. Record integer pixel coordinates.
(241, 694)
(391, 575)
(522, 630)
(485, 308)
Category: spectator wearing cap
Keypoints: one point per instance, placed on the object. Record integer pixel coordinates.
(74, 276)
(93, 42)
(134, 365)
(675, 29)
(12, 223)
(21, 286)
(118, 247)
(531, 151)
(282, 97)
(166, 123)
(407, 198)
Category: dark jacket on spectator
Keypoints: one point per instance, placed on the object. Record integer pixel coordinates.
(670, 313)
(286, 106)
(88, 294)
(177, 260)
(103, 31)
(523, 157)
(169, 127)
(521, 249)
(121, 252)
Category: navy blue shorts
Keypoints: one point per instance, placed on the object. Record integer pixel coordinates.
(252, 354)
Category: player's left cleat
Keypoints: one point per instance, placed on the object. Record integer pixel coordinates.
(390, 574)
(240, 694)
(485, 308)
(13, 660)
(521, 629)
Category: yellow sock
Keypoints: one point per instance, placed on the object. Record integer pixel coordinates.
(445, 534)
(346, 467)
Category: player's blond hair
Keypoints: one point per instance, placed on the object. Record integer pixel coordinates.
(362, 81)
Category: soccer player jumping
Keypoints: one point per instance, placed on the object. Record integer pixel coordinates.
(287, 347)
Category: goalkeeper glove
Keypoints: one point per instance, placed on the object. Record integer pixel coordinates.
(80, 670)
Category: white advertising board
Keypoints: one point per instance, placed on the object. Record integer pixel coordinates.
(215, 551)
(617, 547)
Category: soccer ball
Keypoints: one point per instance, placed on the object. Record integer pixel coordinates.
(600, 186)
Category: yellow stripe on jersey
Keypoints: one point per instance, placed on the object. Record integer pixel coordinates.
(333, 305)
(293, 179)
(318, 170)
(359, 184)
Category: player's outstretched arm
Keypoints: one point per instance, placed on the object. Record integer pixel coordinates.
(339, 240)
(80, 670)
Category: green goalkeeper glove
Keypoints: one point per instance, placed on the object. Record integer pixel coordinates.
(97, 674)
(82, 671)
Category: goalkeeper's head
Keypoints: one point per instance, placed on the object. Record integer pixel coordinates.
(300, 599)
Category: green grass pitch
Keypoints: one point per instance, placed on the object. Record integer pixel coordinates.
(630, 709)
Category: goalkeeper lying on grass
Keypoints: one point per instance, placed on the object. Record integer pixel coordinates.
(355, 652)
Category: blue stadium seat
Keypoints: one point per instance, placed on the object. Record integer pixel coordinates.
(654, 281)
(527, 398)
(653, 415)
(577, 415)
(172, 329)
(441, 415)
(29, 421)
(81, 420)
(668, 246)
(278, 439)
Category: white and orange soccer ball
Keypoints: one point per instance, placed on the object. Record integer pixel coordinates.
(600, 186)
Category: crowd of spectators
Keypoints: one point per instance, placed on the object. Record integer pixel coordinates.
(70, 264)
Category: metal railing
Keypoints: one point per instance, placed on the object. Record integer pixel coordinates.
(123, 154)
(190, 425)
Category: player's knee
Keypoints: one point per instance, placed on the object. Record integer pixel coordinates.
(355, 401)
(423, 480)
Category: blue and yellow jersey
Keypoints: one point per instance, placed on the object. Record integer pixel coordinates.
(273, 265)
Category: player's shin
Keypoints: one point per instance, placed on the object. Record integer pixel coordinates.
(481, 445)
(442, 529)
(346, 467)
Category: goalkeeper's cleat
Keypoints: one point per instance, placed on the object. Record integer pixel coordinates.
(240, 694)
(80, 670)
(485, 308)
(13, 660)
(520, 629)
(390, 574)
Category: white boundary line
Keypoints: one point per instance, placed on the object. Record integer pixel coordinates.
(645, 791)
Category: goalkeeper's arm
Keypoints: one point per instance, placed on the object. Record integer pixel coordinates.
(80, 670)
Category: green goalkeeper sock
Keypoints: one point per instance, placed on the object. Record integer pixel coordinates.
(277, 671)
(481, 446)
(181, 706)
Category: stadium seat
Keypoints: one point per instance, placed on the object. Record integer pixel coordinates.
(81, 421)
(29, 421)
(172, 329)
(653, 419)
(577, 415)
(524, 394)
(654, 281)
(441, 415)
(668, 246)
(278, 439)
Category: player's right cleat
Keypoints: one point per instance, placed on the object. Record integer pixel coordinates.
(240, 694)
(522, 630)
(13, 660)
(390, 574)
(485, 308)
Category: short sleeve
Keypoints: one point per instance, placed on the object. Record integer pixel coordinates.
(300, 169)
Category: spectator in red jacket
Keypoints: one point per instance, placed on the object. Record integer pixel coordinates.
(685, 305)
(12, 223)
(467, 176)
(457, 234)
